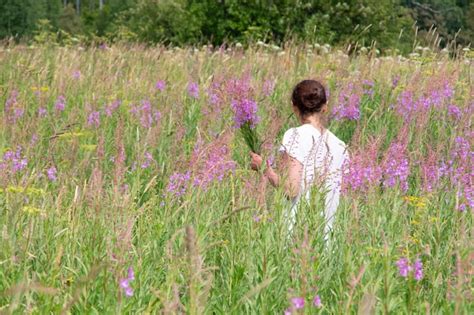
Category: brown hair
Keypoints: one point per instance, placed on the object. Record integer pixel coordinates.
(309, 96)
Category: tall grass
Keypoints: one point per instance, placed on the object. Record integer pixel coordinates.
(136, 175)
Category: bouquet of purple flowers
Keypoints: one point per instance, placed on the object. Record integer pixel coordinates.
(246, 119)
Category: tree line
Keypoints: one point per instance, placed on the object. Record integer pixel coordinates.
(388, 23)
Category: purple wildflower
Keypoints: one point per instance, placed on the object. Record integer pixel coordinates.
(76, 74)
(160, 85)
(348, 106)
(193, 89)
(239, 88)
(268, 87)
(214, 99)
(18, 113)
(148, 160)
(178, 183)
(112, 107)
(430, 172)
(125, 283)
(396, 167)
(13, 161)
(454, 112)
(147, 115)
(298, 302)
(131, 274)
(406, 105)
(60, 104)
(42, 112)
(13, 111)
(287, 311)
(215, 164)
(11, 101)
(93, 119)
(418, 270)
(245, 111)
(395, 81)
(459, 170)
(52, 172)
(317, 301)
(34, 139)
(368, 88)
(362, 171)
(403, 267)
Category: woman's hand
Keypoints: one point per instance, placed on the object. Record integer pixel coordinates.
(256, 161)
(272, 175)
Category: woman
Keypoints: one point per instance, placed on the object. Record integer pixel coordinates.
(311, 154)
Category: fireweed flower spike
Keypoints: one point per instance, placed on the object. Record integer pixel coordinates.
(60, 104)
(125, 283)
(349, 103)
(148, 160)
(298, 302)
(246, 119)
(317, 301)
(94, 119)
(403, 267)
(193, 89)
(160, 85)
(52, 174)
(418, 270)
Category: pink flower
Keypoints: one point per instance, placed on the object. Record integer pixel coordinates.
(112, 107)
(193, 89)
(42, 112)
(418, 270)
(268, 87)
(317, 301)
(131, 274)
(160, 85)
(125, 283)
(60, 104)
(76, 75)
(148, 160)
(298, 302)
(403, 267)
(245, 112)
(51, 172)
(93, 119)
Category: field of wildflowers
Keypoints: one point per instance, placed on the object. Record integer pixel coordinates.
(125, 184)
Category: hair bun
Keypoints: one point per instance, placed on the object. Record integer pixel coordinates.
(311, 100)
(309, 96)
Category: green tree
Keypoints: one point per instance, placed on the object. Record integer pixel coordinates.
(69, 21)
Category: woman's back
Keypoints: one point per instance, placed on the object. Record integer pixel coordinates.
(322, 156)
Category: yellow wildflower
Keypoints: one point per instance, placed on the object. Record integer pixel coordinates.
(32, 191)
(89, 147)
(31, 210)
(35, 191)
(434, 219)
(417, 202)
(44, 89)
(15, 189)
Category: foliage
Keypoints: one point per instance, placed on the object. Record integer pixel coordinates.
(386, 23)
